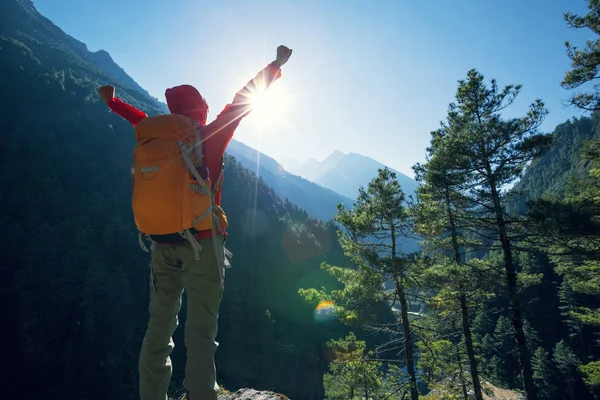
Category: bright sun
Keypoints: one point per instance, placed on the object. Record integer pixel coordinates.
(269, 105)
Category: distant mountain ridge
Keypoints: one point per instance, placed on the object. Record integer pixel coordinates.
(310, 169)
(317, 200)
(346, 173)
(334, 159)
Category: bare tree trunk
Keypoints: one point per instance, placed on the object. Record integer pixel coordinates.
(366, 386)
(410, 363)
(513, 295)
(461, 374)
(464, 309)
(470, 349)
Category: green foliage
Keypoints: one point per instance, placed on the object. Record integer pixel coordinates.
(474, 280)
(567, 306)
(370, 235)
(437, 361)
(567, 363)
(551, 173)
(354, 374)
(474, 155)
(542, 373)
(574, 222)
(443, 391)
(584, 63)
(568, 228)
(489, 151)
(462, 209)
(360, 299)
(591, 372)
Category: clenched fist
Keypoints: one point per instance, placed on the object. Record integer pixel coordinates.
(283, 55)
(106, 93)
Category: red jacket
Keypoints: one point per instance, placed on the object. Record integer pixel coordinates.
(186, 100)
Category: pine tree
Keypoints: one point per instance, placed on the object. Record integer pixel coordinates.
(566, 363)
(591, 372)
(492, 152)
(355, 374)
(440, 219)
(370, 235)
(567, 308)
(504, 349)
(542, 373)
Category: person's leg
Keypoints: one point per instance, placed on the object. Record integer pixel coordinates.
(204, 290)
(166, 288)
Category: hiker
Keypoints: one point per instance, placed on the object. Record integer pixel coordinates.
(179, 153)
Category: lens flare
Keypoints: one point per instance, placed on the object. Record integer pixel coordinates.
(325, 311)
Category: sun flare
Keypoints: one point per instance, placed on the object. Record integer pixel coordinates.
(269, 105)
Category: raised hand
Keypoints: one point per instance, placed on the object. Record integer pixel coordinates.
(283, 55)
(106, 93)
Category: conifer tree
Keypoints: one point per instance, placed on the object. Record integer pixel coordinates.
(542, 373)
(370, 234)
(490, 152)
(440, 218)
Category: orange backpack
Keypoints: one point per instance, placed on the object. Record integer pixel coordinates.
(169, 194)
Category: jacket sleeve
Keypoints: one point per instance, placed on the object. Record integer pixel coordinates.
(127, 111)
(221, 130)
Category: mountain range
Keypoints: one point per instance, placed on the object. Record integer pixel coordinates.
(346, 173)
(320, 202)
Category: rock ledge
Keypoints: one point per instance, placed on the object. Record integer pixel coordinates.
(251, 394)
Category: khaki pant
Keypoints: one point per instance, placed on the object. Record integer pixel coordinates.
(173, 269)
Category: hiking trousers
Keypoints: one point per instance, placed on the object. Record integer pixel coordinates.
(173, 269)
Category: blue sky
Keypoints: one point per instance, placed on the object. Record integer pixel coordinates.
(372, 77)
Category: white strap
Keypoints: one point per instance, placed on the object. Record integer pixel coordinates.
(227, 254)
(190, 166)
(200, 189)
(202, 216)
(187, 235)
(141, 241)
(217, 222)
(219, 180)
(218, 255)
(141, 237)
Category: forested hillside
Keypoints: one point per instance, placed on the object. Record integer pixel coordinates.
(551, 174)
(74, 282)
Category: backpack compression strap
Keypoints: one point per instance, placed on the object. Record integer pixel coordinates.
(187, 234)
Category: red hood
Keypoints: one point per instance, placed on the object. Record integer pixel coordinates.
(186, 100)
